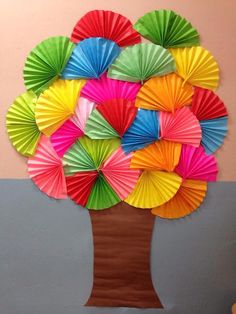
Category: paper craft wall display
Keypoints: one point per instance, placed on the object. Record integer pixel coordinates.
(125, 129)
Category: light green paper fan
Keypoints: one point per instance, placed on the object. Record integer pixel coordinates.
(140, 62)
(46, 62)
(102, 195)
(168, 29)
(87, 154)
(77, 159)
(98, 128)
(21, 126)
(99, 150)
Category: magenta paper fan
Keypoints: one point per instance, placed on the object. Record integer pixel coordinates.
(46, 170)
(118, 173)
(72, 129)
(65, 137)
(195, 164)
(104, 88)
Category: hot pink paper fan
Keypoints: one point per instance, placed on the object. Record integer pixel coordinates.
(181, 126)
(73, 128)
(207, 105)
(104, 88)
(118, 173)
(195, 164)
(65, 137)
(46, 170)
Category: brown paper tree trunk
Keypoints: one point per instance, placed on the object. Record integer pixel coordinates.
(122, 237)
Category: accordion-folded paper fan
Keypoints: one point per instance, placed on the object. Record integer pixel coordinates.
(21, 125)
(107, 24)
(46, 170)
(154, 188)
(77, 159)
(122, 126)
(65, 137)
(107, 118)
(161, 155)
(57, 104)
(119, 113)
(87, 154)
(105, 89)
(79, 186)
(46, 62)
(182, 127)
(168, 29)
(110, 180)
(148, 60)
(196, 66)
(142, 132)
(99, 150)
(195, 164)
(207, 105)
(91, 189)
(97, 127)
(102, 195)
(187, 199)
(82, 112)
(166, 93)
(90, 58)
(116, 169)
(213, 133)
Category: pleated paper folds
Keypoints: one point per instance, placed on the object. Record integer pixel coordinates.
(148, 60)
(195, 164)
(213, 133)
(46, 62)
(161, 155)
(166, 93)
(107, 118)
(57, 104)
(46, 170)
(142, 132)
(196, 66)
(168, 29)
(98, 173)
(107, 24)
(154, 188)
(181, 127)
(21, 125)
(207, 105)
(116, 169)
(187, 199)
(105, 89)
(91, 58)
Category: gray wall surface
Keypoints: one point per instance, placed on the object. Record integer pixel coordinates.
(46, 255)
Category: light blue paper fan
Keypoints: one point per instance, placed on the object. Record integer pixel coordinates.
(213, 133)
(143, 131)
(91, 58)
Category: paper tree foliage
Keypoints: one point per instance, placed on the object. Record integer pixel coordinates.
(107, 118)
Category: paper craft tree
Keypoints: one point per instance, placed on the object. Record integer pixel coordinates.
(125, 129)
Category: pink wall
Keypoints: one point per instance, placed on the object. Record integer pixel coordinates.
(25, 23)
